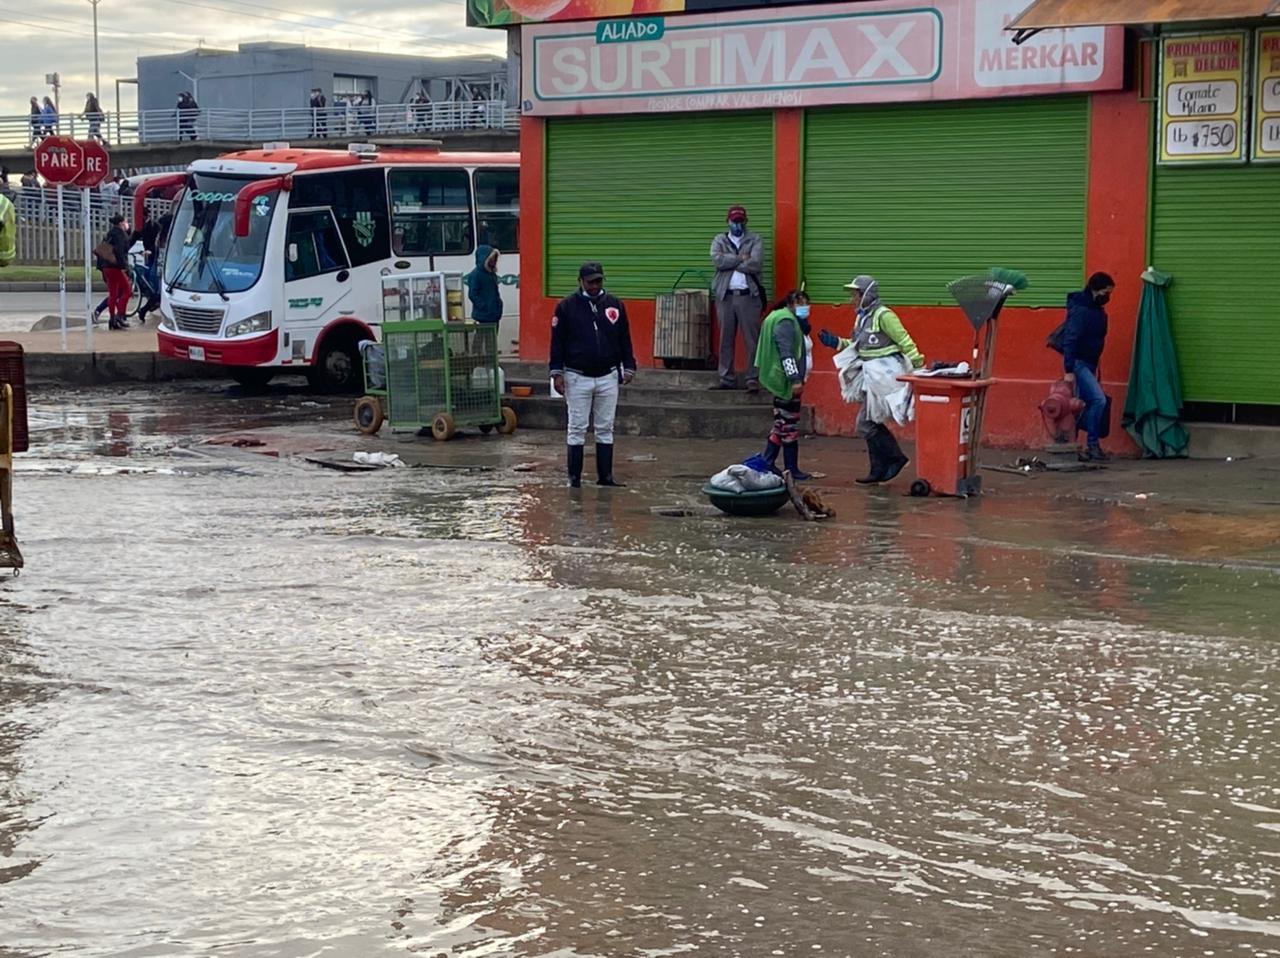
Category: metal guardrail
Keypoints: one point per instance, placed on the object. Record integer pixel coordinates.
(239, 126)
(37, 238)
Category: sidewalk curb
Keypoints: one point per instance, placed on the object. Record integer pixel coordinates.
(40, 286)
(99, 369)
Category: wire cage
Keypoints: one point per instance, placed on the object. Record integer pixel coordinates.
(435, 368)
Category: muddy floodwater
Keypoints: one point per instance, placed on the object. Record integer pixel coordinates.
(253, 707)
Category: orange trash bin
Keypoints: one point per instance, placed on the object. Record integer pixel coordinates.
(948, 423)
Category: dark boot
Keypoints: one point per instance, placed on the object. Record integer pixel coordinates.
(875, 456)
(791, 459)
(576, 454)
(895, 460)
(604, 465)
(770, 454)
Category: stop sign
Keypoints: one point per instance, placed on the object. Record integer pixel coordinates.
(97, 164)
(59, 159)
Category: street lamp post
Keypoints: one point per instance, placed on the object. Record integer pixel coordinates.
(97, 93)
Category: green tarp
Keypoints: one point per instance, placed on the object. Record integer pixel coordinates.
(1154, 400)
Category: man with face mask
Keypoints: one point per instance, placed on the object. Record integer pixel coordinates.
(738, 256)
(591, 357)
(1083, 336)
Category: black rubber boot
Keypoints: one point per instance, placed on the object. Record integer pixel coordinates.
(895, 460)
(791, 459)
(576, 454)
(770, 454)
(604, 465)
(875, 456)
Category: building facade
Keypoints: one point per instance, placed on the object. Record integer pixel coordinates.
(281, 76)
(918, 144)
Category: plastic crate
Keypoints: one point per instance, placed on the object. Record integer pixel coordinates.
(13, 370)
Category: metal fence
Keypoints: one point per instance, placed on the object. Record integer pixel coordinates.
(240, 126)
(38, 221)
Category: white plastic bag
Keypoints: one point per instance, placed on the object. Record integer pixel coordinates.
(725, 480)
(849, 372)
(886, 398)
(377, 459)
(754, 481)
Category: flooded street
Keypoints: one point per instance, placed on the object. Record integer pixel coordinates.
(253, 707)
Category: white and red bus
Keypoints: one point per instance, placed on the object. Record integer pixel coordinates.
(275, 257)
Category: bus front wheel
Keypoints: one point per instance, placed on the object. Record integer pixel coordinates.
(252, 377)
(337, 368)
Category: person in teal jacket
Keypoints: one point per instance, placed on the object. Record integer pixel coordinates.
(878, 332)
(482, 286)
(783, 363)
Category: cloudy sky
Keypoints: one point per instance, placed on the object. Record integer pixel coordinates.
(57, 35)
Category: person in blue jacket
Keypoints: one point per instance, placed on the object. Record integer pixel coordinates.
(482, 286)
(1083, 337)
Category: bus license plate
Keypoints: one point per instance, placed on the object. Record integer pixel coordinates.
(195, 354)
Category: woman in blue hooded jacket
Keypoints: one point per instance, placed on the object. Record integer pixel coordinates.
(482, 287)
(1084, 335)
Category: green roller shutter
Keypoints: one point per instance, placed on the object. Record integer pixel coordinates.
(1216, 230)
(920, 194)
(645, 195)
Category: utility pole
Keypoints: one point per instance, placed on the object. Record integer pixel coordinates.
(97, 93)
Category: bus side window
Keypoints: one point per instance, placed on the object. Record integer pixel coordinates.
(431, 207)
(498, 208)
(358, 199)
(313, 246)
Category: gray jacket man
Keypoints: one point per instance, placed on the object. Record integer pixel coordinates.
(738, 256)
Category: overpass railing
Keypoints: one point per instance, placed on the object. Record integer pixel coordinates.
(344, 123)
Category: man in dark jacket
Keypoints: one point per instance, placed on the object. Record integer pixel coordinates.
(1083, 337)
(482, 286)
(591, 357)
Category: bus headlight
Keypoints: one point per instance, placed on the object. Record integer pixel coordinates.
(254, 324)
(167, 321)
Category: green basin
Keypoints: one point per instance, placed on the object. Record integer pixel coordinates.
(763, 502)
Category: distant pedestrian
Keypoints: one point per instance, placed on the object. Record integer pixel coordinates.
(738, 257)
(93, 113)
(784, 361)
(188, 110)
(420, 110)
(319, 114)
(5, 188)
(1083, 337)
(48, 117)
(482, 287)
(591, 357)
(113, 260)
(878, 333)
(37, 121)
(368, 113)
(126, 188)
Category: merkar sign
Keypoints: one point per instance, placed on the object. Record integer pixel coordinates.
(797, 56)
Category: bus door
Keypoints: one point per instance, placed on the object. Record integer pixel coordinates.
(317, 276)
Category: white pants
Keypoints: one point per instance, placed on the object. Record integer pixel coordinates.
(587, 395)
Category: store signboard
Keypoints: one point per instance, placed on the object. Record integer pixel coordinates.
(870, 52)
(1202, 97)
(1266, 97)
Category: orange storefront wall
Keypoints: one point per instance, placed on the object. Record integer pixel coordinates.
(1116, 221)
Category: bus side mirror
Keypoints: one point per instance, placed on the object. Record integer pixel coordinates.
(293, 252)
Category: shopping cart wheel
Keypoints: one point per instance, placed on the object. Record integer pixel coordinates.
(508, 421)
(921, 488)
(368, 415)
(442, 427)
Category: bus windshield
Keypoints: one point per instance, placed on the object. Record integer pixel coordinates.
(205, 255)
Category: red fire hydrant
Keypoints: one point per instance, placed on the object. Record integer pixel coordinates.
(1060, 411)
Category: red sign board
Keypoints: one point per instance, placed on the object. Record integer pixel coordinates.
(97, 164)
(62, 160)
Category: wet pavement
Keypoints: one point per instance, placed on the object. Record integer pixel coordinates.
(254, 707)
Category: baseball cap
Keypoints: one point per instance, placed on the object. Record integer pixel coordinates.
(591, 271)
(860, 283)
(736, 213)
